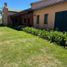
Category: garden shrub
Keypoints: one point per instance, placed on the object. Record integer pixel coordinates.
(53, 36)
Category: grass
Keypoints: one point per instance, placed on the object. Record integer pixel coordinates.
(20, 49)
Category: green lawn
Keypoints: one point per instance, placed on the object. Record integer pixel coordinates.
(20, 49)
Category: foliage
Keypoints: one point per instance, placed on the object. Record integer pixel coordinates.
(54, 36)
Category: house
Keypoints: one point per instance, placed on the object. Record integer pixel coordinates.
(24, 17)
(50, 14)
(14, 18)
(47, 14)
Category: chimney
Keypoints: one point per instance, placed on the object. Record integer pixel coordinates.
(5, 9)
(5, 4)
(5, 14)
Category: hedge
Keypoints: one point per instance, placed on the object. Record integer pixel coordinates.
(53, 36)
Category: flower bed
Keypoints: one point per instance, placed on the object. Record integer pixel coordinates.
(53, 36)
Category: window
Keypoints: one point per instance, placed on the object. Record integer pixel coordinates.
(24, 20)
(28, 20)
(38, 19)
(46, 19)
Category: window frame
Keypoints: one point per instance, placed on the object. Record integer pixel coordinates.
(45, 18)
(38, 19)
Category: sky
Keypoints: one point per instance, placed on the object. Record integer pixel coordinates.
(17, 5)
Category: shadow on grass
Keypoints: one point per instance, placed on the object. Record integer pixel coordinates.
(17, 27)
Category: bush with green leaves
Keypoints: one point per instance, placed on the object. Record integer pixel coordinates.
(53, 36)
